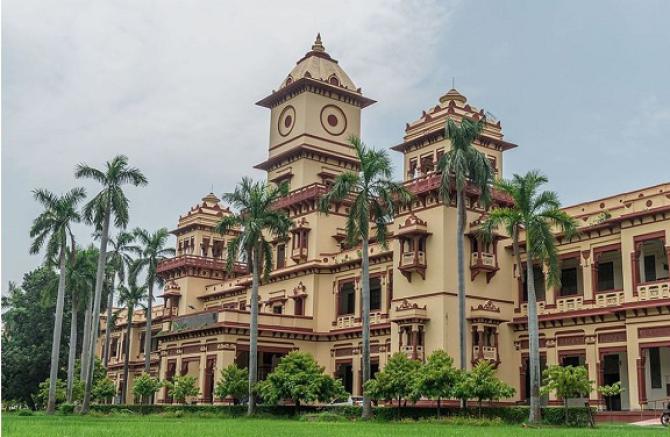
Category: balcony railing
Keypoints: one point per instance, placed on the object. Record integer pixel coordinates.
(409, 350)
(238, 317)
(483, 259)
(570, 303)
(540, 308)
(351, 321)
(199, 261)
(489, 352)
(612, 299)
(413, 258)
(347, 321)
(654, 290)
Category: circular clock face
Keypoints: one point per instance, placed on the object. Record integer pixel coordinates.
(333, 120)
(286, 121)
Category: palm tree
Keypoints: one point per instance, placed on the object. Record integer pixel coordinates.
(129, 296)
(256, 218)
(461, 165)
(151, 252)
(110, 201)
(536, 213)
(119, 259)
(372, 196)
(80, 283)
(53, 226)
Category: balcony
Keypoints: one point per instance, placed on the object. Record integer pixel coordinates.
(413, 352)
(483, 262)
(612, 299)
(348, 321)
(184, 261)
(540, 308)
(237, 317)
(414, 261)
(654, 290)
(570, 303)
(351, 321)
(488, 353)
(299, 254)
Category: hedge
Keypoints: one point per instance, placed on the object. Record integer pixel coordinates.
(510, 415)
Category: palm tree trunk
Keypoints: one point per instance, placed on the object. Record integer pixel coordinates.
(147, 335)
(535, 414)
(95, 322)
(108, 328)
(72, 347)
(83, 370)
(365, 334)
(253, 332)
(126, 353)
(460, 230)
(58, 326)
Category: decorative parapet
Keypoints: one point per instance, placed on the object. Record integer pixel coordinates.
(408, 312)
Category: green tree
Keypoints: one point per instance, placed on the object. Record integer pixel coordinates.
(151, 252)
(26, 338)
(119, 259)
(52, 228)
(110, 201)
(233, 382)
(145, 387)
(299, 378)
(255, 220)
(436, 378)
(609, 391)
(372, 196)
(567, 382)
(129, 296)
(103, 390)
(482, 384)
(80, 281)
(536, 213)
(41, 397)
(463, 165)
(396, 381)
(182, 387)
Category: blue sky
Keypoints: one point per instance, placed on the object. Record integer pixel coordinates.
(582, 87)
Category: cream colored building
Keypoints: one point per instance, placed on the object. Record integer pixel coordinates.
(612, 313)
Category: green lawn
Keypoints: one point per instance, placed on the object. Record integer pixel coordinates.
(155, 426)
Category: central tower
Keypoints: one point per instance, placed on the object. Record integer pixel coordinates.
(313, 113)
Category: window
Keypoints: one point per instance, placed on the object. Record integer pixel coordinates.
(113, 347)
(538, 281)
(649, 268)
(655, 367)
(281, 256)
(142, 343)
(606, 276)
(569, 281)
(277, 309)
(299, 307)
(242, 305)
(572, 360)
(347, 299)
(375, 294)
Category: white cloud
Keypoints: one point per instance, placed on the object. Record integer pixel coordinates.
(172, 84)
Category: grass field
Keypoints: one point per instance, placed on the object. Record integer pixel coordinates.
(156, 426)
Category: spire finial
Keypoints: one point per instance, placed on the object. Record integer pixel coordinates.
(318, 46)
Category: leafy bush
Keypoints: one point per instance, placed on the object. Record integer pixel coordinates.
(66, 408)
(234, 382)
(42, 396)
(25, 412)
(103, 390)
(395, 381)
(144, 386)
(299, 378)
(182, 387)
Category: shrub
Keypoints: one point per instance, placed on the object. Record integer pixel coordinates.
(436, 378)
(182, 387)
(103, 390)
(234, 382)
(567, 382)
(25, 412)
(299, 378)
(396, 381)
(144, 386)
(66, 408)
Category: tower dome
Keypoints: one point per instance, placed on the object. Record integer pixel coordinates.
(317, 64)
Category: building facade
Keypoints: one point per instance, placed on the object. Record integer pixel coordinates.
(611, 314)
